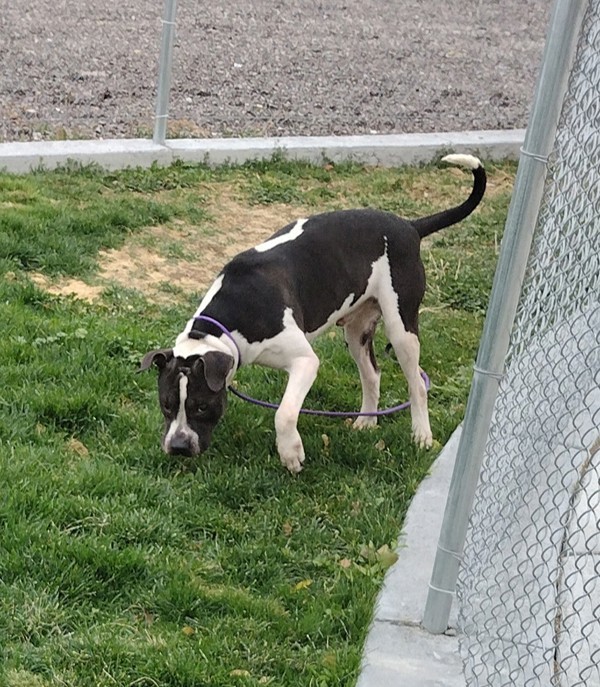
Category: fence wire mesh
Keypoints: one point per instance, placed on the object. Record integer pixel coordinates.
(529, 587)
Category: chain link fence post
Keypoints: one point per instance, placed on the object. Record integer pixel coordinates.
(164, 72)
(529, 185)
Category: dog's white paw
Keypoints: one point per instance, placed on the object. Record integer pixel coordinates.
(365, 422)
(422, 437)
(291, 452)
(293, 462)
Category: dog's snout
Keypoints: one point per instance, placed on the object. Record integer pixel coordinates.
(180, 446)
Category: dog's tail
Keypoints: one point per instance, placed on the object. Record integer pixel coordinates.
(433, 223)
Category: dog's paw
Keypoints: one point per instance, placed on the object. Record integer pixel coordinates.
(294, 465)
(365, 422)
(291, 453)
(422, 437)
(293, 462)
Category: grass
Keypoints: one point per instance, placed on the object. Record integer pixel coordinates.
(120, 566)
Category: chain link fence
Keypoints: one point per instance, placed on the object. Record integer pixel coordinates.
(529, 586)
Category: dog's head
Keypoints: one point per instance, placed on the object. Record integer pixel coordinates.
(192, 393)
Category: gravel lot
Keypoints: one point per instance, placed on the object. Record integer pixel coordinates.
(81, 69)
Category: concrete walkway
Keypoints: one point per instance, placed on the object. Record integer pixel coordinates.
(398, 652)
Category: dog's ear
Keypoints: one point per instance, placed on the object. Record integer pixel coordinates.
(216, 368)
(159, 358)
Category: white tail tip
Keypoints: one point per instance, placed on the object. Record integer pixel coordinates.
(469, 161)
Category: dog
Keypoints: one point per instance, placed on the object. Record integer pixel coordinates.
(346, 267)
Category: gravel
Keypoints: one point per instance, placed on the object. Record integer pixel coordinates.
(81, 69)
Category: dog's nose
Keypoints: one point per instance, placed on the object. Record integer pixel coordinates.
(180, 446)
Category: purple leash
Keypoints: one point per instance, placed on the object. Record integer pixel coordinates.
(333, 413)
(306, 411)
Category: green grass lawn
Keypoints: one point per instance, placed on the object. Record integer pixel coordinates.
(121, 566)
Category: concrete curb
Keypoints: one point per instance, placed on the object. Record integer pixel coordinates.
(385, 150)
(398, 651)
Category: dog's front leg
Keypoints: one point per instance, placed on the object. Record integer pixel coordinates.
(302, 373)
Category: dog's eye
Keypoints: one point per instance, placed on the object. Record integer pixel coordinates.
(202, 407)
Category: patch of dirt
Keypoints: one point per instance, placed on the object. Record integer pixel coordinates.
(148, 272)
(250, 224)
(69, 287)
(498, 183)
(144, 263)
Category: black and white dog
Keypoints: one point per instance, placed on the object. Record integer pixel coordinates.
(349, 267)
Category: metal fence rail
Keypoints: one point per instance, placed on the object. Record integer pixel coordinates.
(529, 586)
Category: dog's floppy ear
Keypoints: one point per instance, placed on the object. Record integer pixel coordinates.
(216, 369)
(159, 358)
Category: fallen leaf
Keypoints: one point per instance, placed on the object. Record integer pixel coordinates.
(188, 631)
(345, 563)
(367, 551)
(287, 529)
(76, 446)
(380, 445)
(326, 440)
(386, 557)
(303, 584)
(239, 672)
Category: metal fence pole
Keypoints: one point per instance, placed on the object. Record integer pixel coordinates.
(164, 72)
(529, 186)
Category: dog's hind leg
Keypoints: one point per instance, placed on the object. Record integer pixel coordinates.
(407, 348)
(359, 329)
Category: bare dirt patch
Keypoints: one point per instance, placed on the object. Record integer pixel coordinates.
(499, 182)
(148, 269)
(69, 287)
(249, 224)
(163, 262)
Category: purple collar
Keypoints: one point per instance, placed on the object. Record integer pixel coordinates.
(225, 331)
